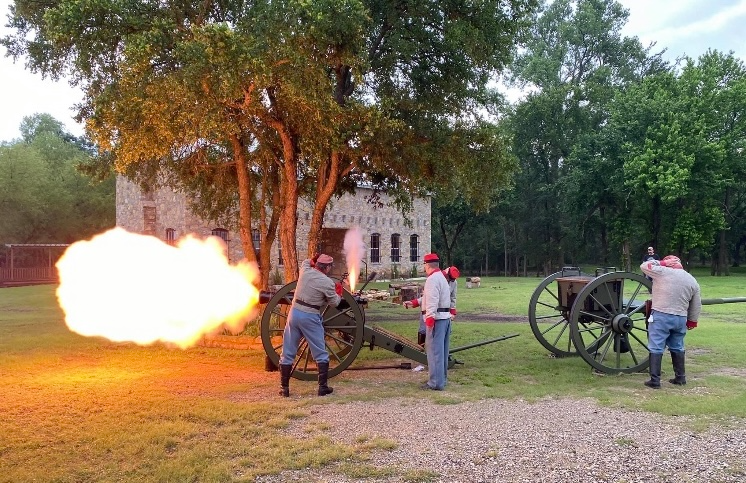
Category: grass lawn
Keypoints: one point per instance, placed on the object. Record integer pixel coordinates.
(85, 409)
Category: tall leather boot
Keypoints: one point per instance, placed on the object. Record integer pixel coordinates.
(323, 376)
(655, 371)
(285, 371)
(678, 359)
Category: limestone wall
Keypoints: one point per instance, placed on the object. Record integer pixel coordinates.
(155, 213)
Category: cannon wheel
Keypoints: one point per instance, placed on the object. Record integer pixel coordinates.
(608, 326)
(549, 319)
(343, 329)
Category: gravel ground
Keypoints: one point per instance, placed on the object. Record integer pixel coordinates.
(511, 441)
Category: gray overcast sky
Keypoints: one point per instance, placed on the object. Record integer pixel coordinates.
(684, 27)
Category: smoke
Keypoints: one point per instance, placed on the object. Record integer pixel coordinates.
(130, 287)
(354, 251)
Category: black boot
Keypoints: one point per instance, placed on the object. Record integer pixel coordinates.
(678, 359)
(655, 371)
(323, 376)
(285, 371)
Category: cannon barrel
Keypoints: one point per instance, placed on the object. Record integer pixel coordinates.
(726, 300)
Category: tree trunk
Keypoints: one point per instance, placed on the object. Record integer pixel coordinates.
(328, 176)
(505, 250)
(626, 256)
(289, 207)
(656, 220)
(723, 267)
(604, 237)
(268, 228)
(244, 200)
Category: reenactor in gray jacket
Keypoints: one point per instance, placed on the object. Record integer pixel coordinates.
(315, 290)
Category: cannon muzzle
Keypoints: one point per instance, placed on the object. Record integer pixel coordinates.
(265, 296)
(727, 300)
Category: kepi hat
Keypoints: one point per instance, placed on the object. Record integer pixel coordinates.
(431, 257)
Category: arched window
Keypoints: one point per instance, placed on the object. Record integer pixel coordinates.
(414, 248)
(375, 248)
(221, 233)
(171, 236)
(395, 247)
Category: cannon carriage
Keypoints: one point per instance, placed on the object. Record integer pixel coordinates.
(601, 318)
(346, 333)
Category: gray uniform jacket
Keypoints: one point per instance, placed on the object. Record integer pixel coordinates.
(675, 291)
(314, 288)
(436, 295)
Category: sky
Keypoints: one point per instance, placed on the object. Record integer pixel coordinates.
(683, 27)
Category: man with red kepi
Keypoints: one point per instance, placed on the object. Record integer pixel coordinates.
(451, 274)
(314, 291)
(436, 310)
(675, 310)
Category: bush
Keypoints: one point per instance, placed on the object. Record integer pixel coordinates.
(276, 277)
(395, 272)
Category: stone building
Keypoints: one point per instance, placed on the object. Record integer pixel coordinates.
(393, 247)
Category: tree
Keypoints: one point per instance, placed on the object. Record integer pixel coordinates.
(278, 100)
(685, 153)
(43, 196)
(574, 62)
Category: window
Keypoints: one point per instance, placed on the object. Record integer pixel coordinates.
(414, 242)
(395, 247)
(171, 236)
(221, 233)
(375, 248)
(256, 238)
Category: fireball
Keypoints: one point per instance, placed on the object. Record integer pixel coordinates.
(129, 287)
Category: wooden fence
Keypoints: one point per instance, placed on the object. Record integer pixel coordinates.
(28, 276)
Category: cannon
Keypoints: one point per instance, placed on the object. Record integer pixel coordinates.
(346, 333)
(601, 318)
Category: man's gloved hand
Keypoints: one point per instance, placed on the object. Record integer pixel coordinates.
(430, 322)
(411, 304)
(338, 288)
(691, 324)
(453, 312)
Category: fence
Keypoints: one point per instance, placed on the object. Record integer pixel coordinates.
(28, 276)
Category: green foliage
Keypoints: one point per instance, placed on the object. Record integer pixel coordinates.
(323, 94)
(43, 195)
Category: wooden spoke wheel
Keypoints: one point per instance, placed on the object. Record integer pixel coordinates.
(343, 331)
(607, 323)
(549, 319)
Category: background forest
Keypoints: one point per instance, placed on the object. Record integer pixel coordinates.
(563, 143)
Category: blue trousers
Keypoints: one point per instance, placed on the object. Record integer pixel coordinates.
(303, 324)
(666, 330)
(437, 341)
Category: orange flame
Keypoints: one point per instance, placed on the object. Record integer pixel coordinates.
(354, 249)
(129, 287)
